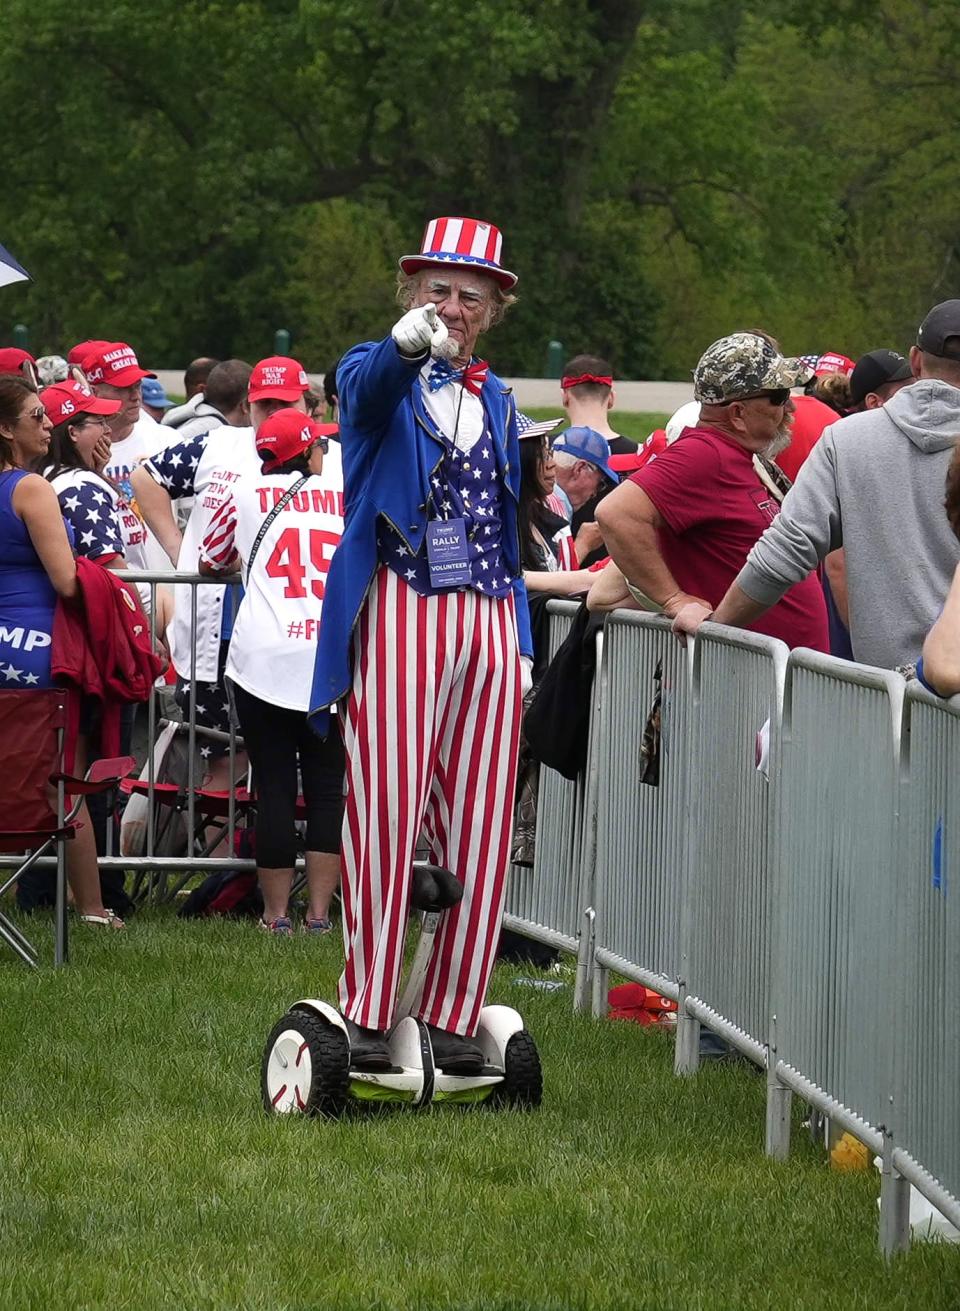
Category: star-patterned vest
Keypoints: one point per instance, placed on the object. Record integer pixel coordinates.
(464, 485)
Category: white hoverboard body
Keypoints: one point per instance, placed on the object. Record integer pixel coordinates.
(306, 1066)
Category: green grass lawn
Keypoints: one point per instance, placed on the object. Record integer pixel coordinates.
(638, 425)
(138, 1170)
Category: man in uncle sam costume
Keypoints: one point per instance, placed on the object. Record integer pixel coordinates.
(426, 634)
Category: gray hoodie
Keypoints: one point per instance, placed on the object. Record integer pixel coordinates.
(873, 484)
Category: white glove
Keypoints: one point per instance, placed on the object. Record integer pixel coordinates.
(526, 675)
(419, 330)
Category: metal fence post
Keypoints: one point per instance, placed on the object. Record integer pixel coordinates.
(894, 1204)
(779, 1103)
(686, 1052)
(582, 988)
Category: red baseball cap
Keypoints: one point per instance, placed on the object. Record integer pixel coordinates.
(277, 378)
(65, 399)
(77, 354)
(12, 359)
(289, 433)
(116, 363)
(833, 362)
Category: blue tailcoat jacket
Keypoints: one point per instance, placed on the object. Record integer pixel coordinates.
(390, 453)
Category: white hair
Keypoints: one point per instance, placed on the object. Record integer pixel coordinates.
(564, 460)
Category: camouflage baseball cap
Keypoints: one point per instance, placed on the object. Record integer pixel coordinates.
(743, 365)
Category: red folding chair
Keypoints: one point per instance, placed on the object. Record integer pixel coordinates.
(32, 741)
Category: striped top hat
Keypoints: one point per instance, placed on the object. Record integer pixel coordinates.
(462, 243)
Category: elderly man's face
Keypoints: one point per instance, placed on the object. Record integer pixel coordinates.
(760, 423)
(580, 480)
(464, 302)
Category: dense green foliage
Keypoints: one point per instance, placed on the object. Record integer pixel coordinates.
(138, 1171)
(191, 174)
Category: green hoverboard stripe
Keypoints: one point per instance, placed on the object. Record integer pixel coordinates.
(466, 1094)
(375, 1092)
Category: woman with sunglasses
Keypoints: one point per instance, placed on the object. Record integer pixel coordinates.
(36, 567)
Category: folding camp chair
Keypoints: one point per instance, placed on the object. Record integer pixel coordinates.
(32, 741)
(214, 817)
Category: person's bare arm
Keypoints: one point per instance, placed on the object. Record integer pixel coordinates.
(835, 567)
(629, 521)
(36, 503)
(588, 540)
(941, 649)
(558, 582)
(157, 510)
(609, 590)
(736, 610)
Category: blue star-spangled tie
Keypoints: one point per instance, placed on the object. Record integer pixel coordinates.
(472, 377)
(440, 374)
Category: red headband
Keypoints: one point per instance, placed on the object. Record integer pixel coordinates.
(567, 383)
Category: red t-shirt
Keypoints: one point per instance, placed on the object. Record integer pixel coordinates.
(714, 508)
(809, 420)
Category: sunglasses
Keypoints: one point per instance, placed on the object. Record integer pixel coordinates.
(778, 397)
(36, 415)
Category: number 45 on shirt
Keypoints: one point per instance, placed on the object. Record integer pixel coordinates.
(287, 560)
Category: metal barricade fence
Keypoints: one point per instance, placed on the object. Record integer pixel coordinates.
(546, 902)
(926, 944)
(150, 865)
(737, 690)
(836, 870)
(640, 843)
(807, 919)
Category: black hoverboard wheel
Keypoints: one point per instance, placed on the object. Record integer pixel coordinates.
(306, 1067)
(522, 1086)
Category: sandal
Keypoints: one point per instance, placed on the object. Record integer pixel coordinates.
(316, 928)
(280, 927)
(110, 920)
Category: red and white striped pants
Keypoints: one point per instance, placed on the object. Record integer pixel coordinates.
(432, 726)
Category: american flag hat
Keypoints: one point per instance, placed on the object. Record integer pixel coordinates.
(829, 362)
(461, 243)
(527, 427)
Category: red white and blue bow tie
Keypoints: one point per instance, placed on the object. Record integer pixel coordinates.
(472, 377)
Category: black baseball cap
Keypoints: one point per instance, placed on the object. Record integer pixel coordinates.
(942, 323)
(875, 369)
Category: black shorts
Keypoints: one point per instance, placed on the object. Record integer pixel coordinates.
(212, 704)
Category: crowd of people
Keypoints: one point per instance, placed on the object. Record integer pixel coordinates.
(399, 530)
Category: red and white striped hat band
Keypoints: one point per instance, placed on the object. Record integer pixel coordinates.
(463, 242)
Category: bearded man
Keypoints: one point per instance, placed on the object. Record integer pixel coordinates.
(424, 626)
(680, 529)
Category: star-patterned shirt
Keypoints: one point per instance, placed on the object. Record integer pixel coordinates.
(464, 485)
(175, 468)
(92, 508)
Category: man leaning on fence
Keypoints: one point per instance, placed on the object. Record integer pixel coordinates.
(873, 484)
(681, 527)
